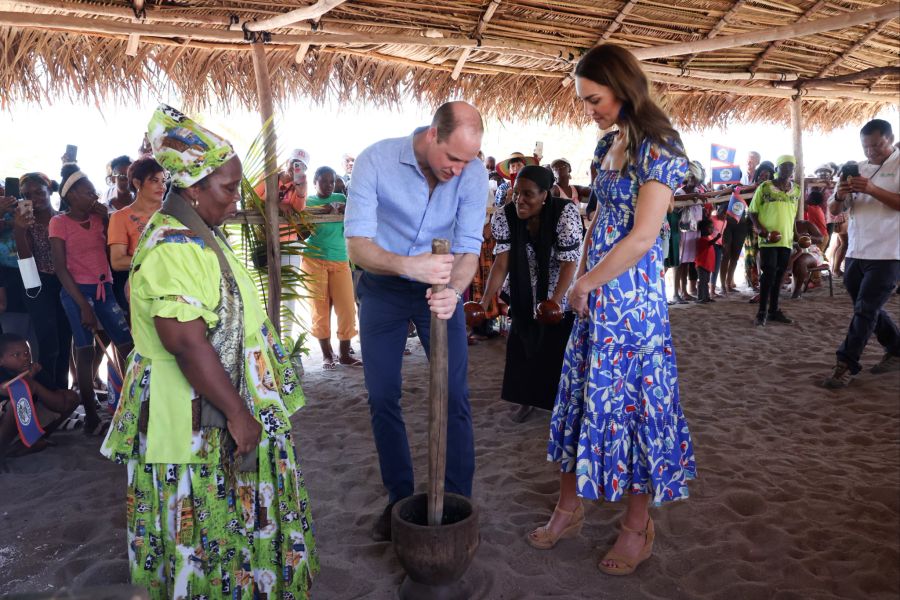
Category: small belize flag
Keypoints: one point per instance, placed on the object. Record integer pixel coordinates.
(23, 407)
(722, 154)
(737, 207)
(113, 387)
(726, 174)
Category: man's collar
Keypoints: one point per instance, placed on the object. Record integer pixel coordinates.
(407, 153)
(888, 157)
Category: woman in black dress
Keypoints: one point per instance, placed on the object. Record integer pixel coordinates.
(538, 245)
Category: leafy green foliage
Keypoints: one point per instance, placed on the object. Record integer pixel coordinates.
(251, 241)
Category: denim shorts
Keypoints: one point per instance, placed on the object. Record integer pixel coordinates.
(108, 312)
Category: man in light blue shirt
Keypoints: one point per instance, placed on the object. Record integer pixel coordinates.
(404, 193)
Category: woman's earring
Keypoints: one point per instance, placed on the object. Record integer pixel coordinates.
(195, 203)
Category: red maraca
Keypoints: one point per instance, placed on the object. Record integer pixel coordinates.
(774, 237)
(475, 314)
(805, 241)
(548, 313)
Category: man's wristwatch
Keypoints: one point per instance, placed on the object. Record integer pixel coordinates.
(459, 295)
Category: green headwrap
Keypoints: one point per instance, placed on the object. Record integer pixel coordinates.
(785, 158)
(184, 148)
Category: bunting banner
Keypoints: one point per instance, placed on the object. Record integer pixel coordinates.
(737, 207)
(722, 154)
(30, 429)
(726, 174)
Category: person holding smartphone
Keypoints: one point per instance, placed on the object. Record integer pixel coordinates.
(870, 194)
(292, 192)
(13, 319)
(32, 237)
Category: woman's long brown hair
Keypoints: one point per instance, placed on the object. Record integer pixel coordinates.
(641, 118)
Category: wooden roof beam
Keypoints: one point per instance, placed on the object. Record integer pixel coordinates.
(88, 26)
(844, 21)
(617, 22)
(859, 44)
(479, 32)
(769, 92)
(777, 44)
(717, 75)
(876, 72)
(307, 13)
(717, 28)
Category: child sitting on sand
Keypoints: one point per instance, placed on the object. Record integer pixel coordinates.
(52, 405)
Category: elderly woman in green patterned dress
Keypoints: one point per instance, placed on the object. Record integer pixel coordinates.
(216, 504)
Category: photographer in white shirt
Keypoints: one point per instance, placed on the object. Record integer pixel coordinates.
(871, 195)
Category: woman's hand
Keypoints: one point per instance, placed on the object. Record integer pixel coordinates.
(245, 430)
(23, 220)
(88, 318)
(7, 204)
(578, 297)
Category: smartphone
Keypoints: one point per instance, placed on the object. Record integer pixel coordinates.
(849, 170)
(539, 149)
(11, 185)
(72, 152)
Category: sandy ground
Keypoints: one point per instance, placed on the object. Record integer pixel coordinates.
(798, 493)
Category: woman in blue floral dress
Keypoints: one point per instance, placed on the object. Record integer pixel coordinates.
(617, 427)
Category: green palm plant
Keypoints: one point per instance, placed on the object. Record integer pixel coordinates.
(252, 243)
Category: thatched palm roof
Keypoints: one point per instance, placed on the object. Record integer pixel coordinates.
(509, 57)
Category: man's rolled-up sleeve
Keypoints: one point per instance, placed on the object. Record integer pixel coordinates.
(361, 214)
(467, 235)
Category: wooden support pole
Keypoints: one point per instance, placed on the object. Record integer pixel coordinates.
(844, 21)
(307, 13)
(797, 130)
(273, 239)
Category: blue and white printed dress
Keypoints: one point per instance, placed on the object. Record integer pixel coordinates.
(617, 421)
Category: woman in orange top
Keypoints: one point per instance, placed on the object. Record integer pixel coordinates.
(148, 179)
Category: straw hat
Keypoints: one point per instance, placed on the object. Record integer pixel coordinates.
(503, 166)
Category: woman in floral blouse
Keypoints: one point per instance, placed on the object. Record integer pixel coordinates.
(538, 238)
